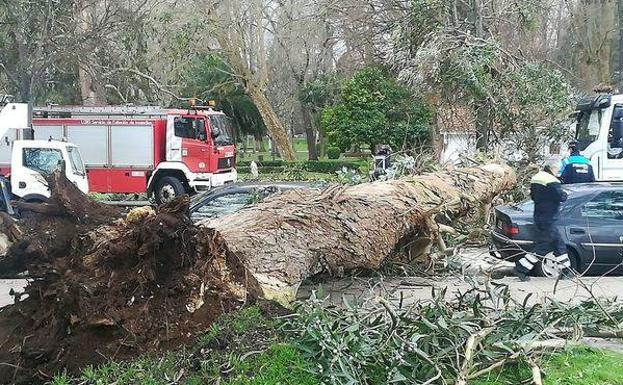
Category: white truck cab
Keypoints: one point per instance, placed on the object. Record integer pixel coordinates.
(31, 159)
(25, 162)
(599, 133)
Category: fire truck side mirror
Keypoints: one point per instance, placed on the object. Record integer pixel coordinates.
(215, 132)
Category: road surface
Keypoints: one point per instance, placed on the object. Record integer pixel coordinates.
(413, 289)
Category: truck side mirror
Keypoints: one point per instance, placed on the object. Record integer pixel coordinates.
(215, 132)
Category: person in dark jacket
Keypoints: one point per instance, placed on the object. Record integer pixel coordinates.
(547, 194)
(576, 168)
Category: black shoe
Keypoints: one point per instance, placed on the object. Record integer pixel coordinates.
(523, 277)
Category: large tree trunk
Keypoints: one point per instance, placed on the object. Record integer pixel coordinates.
(310, 133)
(482, 125)
(291, 237)
(271, 120)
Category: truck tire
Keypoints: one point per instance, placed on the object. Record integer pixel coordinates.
(168, 188)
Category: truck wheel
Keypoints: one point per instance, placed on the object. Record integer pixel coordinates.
(168, 188)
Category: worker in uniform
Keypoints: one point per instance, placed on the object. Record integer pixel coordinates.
(547, 194)
(576, 168)
(382, 161)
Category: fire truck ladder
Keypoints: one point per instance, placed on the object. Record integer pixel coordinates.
(53, 111)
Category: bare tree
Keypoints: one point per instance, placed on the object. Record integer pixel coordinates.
(241, 30)
(302, 50)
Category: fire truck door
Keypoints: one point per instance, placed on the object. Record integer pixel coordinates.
(190, 135)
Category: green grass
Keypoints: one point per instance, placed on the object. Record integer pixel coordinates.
(247, 348)
(580, 366)
(240, 322)
(241, 348)
(280, 364)
(300, 144)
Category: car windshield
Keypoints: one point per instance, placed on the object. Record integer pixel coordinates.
(228, 202)
(77, 166)
(224, 205)
(224, 128)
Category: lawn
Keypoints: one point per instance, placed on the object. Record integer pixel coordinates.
(248, 348)
(300, 149)
(579, 366)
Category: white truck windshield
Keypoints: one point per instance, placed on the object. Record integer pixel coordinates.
(587, 127)
(43, 160)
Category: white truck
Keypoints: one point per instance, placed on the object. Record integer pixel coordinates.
(599, 133)
(24, 162)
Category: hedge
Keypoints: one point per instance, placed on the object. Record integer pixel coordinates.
(322, 166)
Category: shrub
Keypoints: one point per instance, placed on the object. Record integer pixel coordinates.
(265, 163)
(333, 153)
(319, 166)
(331, 166)
(375, 109)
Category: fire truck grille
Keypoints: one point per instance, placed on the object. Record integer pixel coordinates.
(226, 163)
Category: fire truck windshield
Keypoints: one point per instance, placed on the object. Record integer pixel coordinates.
(77, 166)
(222, 128)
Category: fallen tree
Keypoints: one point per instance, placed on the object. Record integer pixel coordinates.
(293, 236)
(112, 287)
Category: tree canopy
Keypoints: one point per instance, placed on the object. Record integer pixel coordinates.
(375, 109)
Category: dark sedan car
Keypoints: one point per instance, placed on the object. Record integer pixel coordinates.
(591, 224)
(230, 198)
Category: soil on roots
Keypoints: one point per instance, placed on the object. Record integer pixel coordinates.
(110, 289)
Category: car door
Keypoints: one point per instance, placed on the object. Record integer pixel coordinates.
(596, 228)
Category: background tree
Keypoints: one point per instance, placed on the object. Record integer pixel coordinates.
(375, 110)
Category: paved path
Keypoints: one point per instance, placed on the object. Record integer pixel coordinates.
(413, 289)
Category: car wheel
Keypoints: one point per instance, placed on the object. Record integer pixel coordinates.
(168, 188)
(547, 267)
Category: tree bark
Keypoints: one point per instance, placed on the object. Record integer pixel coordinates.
(482, 125)
(91, 91)
(271, 120)
(310, 133)
(290, 237)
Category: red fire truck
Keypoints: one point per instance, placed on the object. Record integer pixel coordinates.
(164, 152)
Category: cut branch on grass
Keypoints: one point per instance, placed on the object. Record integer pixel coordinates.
(470, 348)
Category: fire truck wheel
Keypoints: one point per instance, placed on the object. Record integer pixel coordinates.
(168, 188)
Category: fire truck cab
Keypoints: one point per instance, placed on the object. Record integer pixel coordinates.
(132, 149)
(25, 162)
